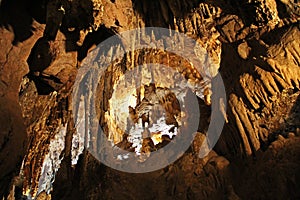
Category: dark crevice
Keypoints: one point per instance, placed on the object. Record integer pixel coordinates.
(40, 56)
(37, 10)
(274, 36)
(150, 15)
(14, 16)
(281, 8)
(295, 88)
(279, 85)
(43, 88)
(78, 17)
(93, 39)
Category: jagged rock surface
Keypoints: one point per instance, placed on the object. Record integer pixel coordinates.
(253, 44)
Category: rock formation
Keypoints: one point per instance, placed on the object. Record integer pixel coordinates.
(254, 45)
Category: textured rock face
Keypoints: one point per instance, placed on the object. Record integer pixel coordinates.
(253, 44)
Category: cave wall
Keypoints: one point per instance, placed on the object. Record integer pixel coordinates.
(254, 45)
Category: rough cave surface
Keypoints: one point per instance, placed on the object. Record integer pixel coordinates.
(255, 45)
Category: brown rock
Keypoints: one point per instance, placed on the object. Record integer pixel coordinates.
(231, 195)
(281, 138)
(278, 144)
(197, 142)
(298, 132)
(43, 196)
(244, 50)
(249, 89)
(219, 162)
(209, 156)
(291, 135)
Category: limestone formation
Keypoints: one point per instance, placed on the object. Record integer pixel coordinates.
(253, 44)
